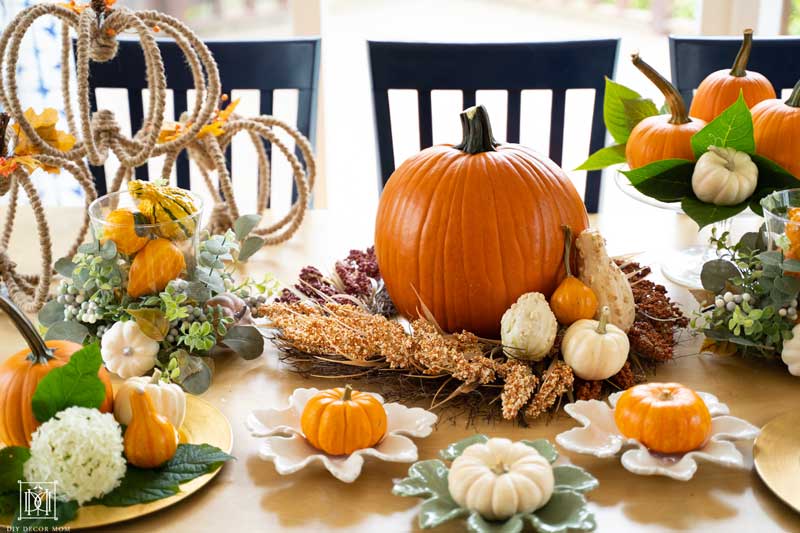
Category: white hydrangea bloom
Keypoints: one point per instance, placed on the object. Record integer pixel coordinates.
(81, 449)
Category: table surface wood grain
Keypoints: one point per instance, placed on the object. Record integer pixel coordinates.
(249, 495)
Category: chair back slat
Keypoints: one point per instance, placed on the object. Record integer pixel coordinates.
(471, 67)
(425, 119)
(264, 65)
(694, 58)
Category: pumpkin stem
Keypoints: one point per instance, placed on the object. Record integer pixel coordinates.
(567, 249)
(794, 98)
(603, 322)
(724, 155)
(155, 377)
(739, 68)
(40, 353)
(348, 392)
(674, 99)
(477, 131)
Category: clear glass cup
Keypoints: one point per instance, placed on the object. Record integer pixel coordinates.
(186, 242)
(780, 232)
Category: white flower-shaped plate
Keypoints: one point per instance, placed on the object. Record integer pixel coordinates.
(286, 446)
(600, 437)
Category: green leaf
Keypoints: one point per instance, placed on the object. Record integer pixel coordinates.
(65, 267)
(772, 175)
(753, 241)
(246, 341)
(141, 486)
(65, 511)
(74, 384)
(733, 128)
(51, 313)
(195, 374)
(212, 280)
(670, 185)
(638, 109)
(92, 247)
(67, 330)
(604, 157)
(544, 448)
(656, 168)
(791, 265)
(715, 274)
(704, 214)
(9, 502)
(152, 322)
(457, 448)
(478, 524)
(569, 477)
(245, 224)
(787, 285)
(197, 291)
(428, 479)
(216, 247)
(12, 459)
(250, 246)
(565, 511)
(109, 250)
(770, 258)
(614, 115)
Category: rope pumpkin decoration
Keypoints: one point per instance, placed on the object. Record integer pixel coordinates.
(99, 134)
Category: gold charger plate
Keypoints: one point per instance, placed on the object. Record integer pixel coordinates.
(204, 424)
(776, 454)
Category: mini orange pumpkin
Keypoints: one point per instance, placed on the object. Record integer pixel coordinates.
(154, 267)
(21, 373)
(120, 227)
(341, 421)
(573, 300)
(662, 136)
(150, 440)
(776, 128)
(665, 417)
(720, 89)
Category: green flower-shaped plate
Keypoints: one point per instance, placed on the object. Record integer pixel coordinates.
(566, 510)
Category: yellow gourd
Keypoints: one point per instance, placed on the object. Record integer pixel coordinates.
(154, 266)
(573, 300)
(150, 440)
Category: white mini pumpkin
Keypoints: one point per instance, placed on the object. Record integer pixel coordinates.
(500, 478)
(724, 176)
(528, 328)
(595, 349)
(791, 352)
(127, 351)
(168, 399)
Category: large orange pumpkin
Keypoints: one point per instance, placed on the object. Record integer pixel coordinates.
(467, 229)
(776, 127)
(665, 417)
(22, 372)
(662, 136)
(720, 89)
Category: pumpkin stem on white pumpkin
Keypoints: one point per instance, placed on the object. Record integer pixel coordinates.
(40, 353)
(721, 152)
(567, 249)
(348, 392)
(477, 131)
(677, 106)
(603, 322)
(739, 68)
(794, 98)
(155, 377)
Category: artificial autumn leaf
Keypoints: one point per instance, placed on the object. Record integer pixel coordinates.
(719, 348)
(216, 126)
(9, 164)
(77, 8)
(45, 126)
(169, 132)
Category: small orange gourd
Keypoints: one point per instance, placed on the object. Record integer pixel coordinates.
(665, 417)
(720, 89)
(158, 263)
(573, 300)
(662, 136)
(340, 421)
(21, 373)
(120, 227)
(150, 440)
(776, 128)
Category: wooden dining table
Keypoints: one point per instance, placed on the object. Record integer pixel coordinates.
(249, 495)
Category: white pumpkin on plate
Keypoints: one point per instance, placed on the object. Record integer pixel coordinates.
(168, 399)
(724, 176)
(500, 478)
(791, 352)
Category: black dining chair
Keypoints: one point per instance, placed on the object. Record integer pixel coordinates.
(694, 58)
(263, 65)
(514, 67)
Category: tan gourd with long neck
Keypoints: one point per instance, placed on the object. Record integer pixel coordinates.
(150, 440)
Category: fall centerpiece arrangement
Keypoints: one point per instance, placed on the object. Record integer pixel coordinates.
(732, 148)
(205, 132)
(62, 425)
(503, 307)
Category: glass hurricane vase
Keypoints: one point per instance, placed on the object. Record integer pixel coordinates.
(780, 231)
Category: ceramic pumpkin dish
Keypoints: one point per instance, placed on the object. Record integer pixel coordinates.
(720, 89)
(661, 136)
(467, 229)
(22, 372)
(665, 417)
(341, 421)
(776, 127)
